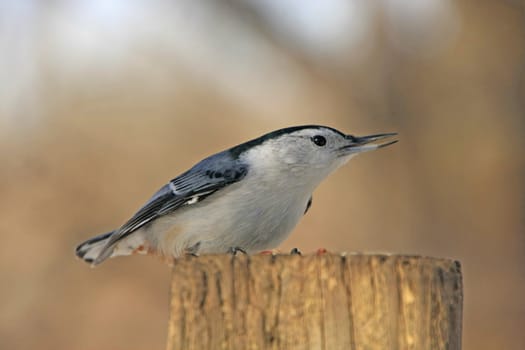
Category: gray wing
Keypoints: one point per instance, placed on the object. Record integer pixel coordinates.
(201, 181)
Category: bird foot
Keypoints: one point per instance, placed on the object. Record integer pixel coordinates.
(234, 250)
(269, 252)
(321, 251)
(295, 251)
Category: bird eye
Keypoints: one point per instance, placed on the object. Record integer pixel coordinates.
(319, 140)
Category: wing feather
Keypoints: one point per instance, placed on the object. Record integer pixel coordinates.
(192, 187)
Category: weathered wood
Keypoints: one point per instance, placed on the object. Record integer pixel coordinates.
(315, 302)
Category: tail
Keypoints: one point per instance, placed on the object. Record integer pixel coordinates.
(95, 250)
(90, 249)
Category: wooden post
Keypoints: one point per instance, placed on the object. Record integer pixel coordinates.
(315, 302)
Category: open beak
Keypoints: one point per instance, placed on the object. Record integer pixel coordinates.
(365, 143)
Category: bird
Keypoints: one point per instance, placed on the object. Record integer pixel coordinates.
(247, 198)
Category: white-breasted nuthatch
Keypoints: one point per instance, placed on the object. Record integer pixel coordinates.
(247, 198)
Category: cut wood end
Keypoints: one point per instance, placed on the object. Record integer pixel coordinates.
(342, 300)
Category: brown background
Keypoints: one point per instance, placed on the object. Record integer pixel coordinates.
(102, 102)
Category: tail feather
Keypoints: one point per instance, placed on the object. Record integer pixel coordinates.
(90, 249)
(95, 250)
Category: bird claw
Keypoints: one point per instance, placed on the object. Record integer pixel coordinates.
(321, 251)
(234, 250)
(295, 251)
(268, 252)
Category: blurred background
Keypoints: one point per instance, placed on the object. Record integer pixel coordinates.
(102, 102)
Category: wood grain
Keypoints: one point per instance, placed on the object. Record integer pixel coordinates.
(330, 301)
